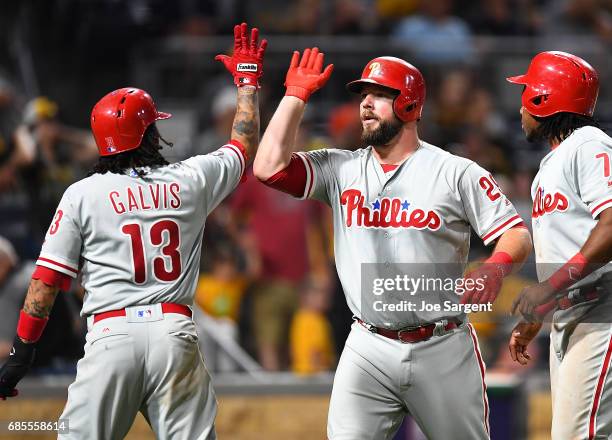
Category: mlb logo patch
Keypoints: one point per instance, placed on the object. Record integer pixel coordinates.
(144, 313)
(110, 145)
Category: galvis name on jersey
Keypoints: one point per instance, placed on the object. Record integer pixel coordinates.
(386, 213)
(544, 203)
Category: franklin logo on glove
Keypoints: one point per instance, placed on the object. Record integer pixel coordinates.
(246, 67)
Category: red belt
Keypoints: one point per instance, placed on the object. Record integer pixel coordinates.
(412, 335)
(569, 301)
(166, 308)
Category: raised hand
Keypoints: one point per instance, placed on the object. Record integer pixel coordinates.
(306, 76)
(246, 63)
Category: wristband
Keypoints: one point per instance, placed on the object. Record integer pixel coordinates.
(30, 328)
(298, 92)
(503, 260)
(571, 272)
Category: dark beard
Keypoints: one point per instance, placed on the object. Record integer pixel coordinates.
(534, 136)
(385, 132)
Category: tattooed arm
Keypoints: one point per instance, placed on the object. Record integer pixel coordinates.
(246, 122)
(39, 300)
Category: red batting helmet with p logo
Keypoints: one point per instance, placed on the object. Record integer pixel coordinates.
(399, 75)
(120, 119)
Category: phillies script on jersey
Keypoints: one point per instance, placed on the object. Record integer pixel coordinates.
(546, 203)
(386, 213)
(146, 197)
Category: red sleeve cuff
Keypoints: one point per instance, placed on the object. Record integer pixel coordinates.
(236, 143)
(291, 179)
(52, 278)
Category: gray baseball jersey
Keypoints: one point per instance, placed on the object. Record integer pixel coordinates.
(138, 240)
(572, 188)
(419, 213)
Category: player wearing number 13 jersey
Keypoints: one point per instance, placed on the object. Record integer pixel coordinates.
(133, 232)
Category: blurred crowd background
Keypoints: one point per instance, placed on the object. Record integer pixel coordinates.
(268, 285)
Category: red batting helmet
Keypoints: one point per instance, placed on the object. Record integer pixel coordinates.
(400, 76)
(119, 120)
(558, 82)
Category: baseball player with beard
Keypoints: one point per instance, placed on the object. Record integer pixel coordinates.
(133, 231)
(399, 200)
(572, 231)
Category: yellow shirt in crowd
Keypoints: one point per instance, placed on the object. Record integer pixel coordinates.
(311, 343)
(220, 298)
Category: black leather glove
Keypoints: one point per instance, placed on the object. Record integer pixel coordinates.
(16, 367)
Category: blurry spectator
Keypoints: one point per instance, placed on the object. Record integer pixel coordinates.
(222, 110)
(450, 106)
(281, 226)
(219, 294)
(311, 341)
(481, 113)
(392, 9)
(17, 152)
(58, 143)
(344, 127)
(474, 144)
(11, 294)
(582, 17)
(63, 154)
(505, 17)
(353, 17)
(296, 17)
(435, 36)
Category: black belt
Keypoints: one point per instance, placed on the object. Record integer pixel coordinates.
(578, 296)
(413, 334)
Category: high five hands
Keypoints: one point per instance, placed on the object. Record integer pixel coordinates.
(246, 63)
(306, 75)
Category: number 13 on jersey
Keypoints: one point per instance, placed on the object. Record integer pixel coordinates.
(170, 250)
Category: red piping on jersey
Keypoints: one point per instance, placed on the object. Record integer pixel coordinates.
(311, 176)
(503, 225)
(291, 179)
(600, 384)
(600, 205)
(241, 153)
(236, 143)
(63, 266)
(481, 367)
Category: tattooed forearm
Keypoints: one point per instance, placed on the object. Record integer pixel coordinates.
(246, 123)
(40, 299)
